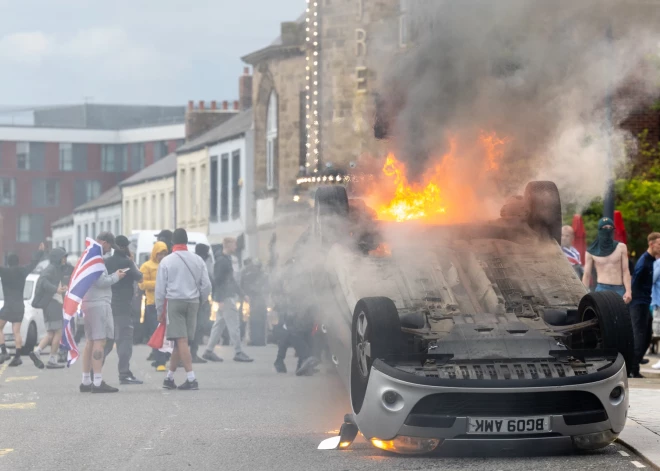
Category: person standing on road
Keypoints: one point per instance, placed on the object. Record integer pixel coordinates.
(640, 306)
(122, 308)
(204, 313)
(655, 303)
(611, 261)
(165, 236)
(13, 279)
(182, 281)
(97, 309)
(52, 287)
(228, 294)
(149, 271)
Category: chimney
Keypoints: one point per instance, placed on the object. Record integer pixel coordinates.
(200, 120)
(245, 90)
(236, 105)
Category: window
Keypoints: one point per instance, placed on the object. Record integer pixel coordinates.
(80, 239)
(163, 211)
(116, 225)
(193, 189)
(30, 228)
(172, 209)
(236, 184)
(213, 203)
(68, 246)
(183, 189)
(86, 231)
(153, 211)
(224, 187)
(108, 159)
(94, 229)
(86, 190)
(160, 150)
(121, 158)
(271, 142)
(143, 212)
(66, 156)
(302, 133)
(45, 192)
(137, 157)
(23, 155)
(7, 191)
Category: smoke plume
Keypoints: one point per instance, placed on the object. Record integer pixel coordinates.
(538, 72)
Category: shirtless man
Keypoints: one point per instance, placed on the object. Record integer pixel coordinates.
(611, 261)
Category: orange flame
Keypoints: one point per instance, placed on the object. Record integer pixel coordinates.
(446, 193)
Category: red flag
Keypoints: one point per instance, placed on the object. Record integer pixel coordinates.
(620, 234)
(580, 241)
(157, 339)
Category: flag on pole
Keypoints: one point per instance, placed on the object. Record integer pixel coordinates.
(88, 269)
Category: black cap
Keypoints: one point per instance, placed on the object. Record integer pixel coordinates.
(106, 237)
(164, 234)
(122, 241)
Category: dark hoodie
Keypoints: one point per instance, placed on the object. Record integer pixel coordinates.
(123, 290)
(53, 275)
(13, 282)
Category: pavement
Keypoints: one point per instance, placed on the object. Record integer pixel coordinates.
(244, 417)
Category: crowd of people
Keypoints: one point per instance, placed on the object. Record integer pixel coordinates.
(638, 284)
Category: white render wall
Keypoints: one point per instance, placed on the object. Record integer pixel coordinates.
(63, 237)
(149, 206)
(91, 223)
(192, 191)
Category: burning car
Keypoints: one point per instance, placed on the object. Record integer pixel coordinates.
(461, 335)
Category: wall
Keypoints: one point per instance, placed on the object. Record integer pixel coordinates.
(192, 191)
(63, 237)
(160, 215)
(91, 223)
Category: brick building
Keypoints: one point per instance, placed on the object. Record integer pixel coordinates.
(71, 155)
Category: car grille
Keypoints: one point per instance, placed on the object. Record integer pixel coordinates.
(504, 371)
(574, 403)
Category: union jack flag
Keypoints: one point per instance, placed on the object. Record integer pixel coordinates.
(572, 255)
(88, 269)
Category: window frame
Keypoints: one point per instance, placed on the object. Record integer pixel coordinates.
(66, 156)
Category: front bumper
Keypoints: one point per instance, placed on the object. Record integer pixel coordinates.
(380, 420)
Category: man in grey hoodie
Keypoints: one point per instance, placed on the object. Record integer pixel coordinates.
(99, 325)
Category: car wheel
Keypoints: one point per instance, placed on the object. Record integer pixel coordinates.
(544, 206)
(30, 339)
(330, 213)
(376, 333)
(614, 329)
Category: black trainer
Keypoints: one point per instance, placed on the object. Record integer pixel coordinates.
(104, 388)
(16, 361)
(86, 388)
(4, 357)
(129, 380)
(36, 360)
(197, 359)
(169, 384)
(189, 386)
(280, 367)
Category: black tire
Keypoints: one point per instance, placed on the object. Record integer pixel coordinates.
(330, 213)
(376, 322)
(544, 206)
(614, 324)
(30, 339)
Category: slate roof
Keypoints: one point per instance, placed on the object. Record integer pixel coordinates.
(110, 197)
(65, 221)
(162, 168)
(231, 128)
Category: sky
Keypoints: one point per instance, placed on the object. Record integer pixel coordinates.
(131, 51)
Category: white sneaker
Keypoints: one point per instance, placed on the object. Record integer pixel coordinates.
(656, 366)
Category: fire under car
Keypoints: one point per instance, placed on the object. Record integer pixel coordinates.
(458, 337)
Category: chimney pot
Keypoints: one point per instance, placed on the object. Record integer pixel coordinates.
(236, 105)
(225, 105)
(201, 104)
(214, 105)
(191, 105)
(246, 71)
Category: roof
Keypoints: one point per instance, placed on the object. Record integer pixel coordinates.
(277, 46)
(233, 127)
(162, 168)
(110, 197)
(65, 221)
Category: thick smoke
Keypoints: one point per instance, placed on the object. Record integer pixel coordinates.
(536, 71)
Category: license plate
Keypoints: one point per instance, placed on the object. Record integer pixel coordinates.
(508, 426)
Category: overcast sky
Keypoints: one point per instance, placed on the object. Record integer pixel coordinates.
(131, 51)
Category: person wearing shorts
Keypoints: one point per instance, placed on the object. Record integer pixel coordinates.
(99, 325)
(182, 280)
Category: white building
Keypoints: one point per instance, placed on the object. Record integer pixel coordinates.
(148, 197)
(214, 181)
(88, 220)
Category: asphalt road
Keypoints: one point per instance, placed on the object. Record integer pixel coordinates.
(244, 417)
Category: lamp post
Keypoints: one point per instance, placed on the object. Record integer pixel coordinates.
(608, 201)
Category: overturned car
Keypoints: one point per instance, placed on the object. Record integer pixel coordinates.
(456, 336)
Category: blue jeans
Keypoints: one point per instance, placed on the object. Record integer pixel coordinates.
(618, 289)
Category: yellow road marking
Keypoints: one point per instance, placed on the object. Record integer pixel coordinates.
(19, 405)
(3, 367)
(5, 451)
(20, 378)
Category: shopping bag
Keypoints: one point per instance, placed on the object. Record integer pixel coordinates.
(156, 340)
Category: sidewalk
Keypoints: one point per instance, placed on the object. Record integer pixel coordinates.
(642, 431)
